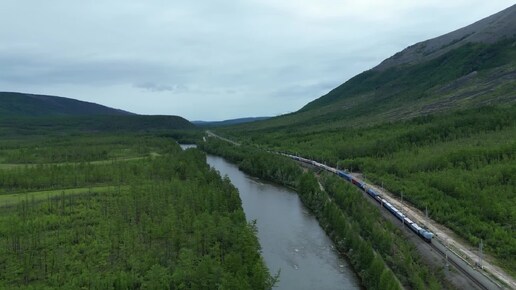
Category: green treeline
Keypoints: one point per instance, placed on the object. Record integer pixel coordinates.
(382, 236)
(169, 222)
(63, 126)
(258, 163)
(79, 148)
(461, 166)
(379, 254)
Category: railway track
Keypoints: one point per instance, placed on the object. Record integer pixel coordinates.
(483, 283)
(459, 267)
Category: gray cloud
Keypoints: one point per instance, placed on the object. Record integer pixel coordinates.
(153, 87)
(211, 59)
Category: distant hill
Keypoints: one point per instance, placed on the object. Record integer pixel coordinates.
(468, 68)
(29, 114)
(31, 105)
(64, 125)
(228, 122)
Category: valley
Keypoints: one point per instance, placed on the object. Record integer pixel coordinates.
(402, 176)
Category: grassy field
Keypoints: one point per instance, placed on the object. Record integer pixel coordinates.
(115, 159)
(36, 196)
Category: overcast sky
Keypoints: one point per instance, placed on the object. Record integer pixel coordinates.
(211, 59)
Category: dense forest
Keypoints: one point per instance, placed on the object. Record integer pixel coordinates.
(379, 253)
(461, 166)
(65, 125)
(120, 211)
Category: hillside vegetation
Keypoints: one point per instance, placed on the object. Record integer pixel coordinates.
(31, 105)
(459, 165)
(64, 125)
(471, 76)
(440, 128)
(31, 115)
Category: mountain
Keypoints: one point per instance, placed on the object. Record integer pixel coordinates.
(29, 114)
(31, 105)
(468, 68)
(435, 124)
(229, 122)
(489, 30)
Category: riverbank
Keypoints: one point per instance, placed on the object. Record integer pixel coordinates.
(374, 266)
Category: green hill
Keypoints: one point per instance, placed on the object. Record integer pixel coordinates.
(28, 114)
(31, 105)
(468, 68)
(436, 122)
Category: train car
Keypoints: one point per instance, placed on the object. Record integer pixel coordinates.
(344, 175)
(304, 160)
(407, 221)
(357, 183)
(372, 193)
(398, 214)
(426, 235)
(388, 206)
(417, 229)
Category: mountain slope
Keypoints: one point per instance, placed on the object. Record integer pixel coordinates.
(468, 68)
(469, 72)
(30, 105)
(489, 30)
(28, 114)
(438, 129)
(229, 122)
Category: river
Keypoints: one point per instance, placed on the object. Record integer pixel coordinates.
(292, 240)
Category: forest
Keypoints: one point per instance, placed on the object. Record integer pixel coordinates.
(460, 166)
(120, 211)
(377, 250)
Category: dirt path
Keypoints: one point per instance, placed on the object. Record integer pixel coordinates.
(447, 237)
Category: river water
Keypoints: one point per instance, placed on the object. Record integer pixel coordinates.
(292, 240)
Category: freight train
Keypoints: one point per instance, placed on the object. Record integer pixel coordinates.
(423, 233)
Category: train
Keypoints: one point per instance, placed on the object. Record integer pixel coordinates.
(413, 226)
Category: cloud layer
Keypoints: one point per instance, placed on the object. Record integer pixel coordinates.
(211, 60)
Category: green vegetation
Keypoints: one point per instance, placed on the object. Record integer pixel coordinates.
(64, 126)
(460, 165)
(123, 211)
(31, 115)
(29, 105)
(399, 85)
(357, 225)
(379, 254)
(470, 76)
(15, 198)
